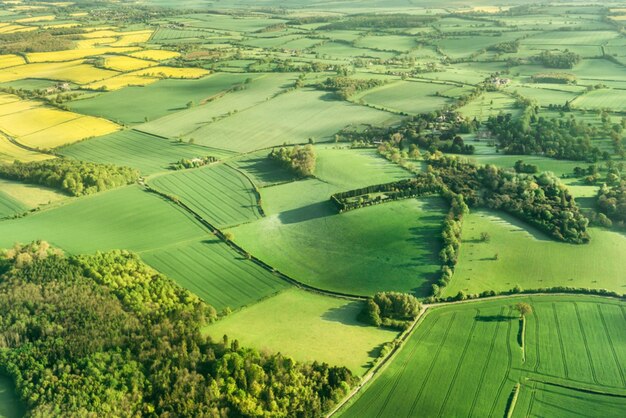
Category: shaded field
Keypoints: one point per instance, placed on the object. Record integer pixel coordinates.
(307, 327)
(386, 247)
(464, 360)
(9, 205)
(218, 193)
(530, 259)
(10, 405)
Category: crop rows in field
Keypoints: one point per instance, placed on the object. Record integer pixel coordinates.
(9, 206)
(145, 152)
(464, 360)
(220, 194)
(214, 272)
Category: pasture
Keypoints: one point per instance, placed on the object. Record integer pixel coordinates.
(408, 96)
(464, 360)
(386, 247)
(218, 193)
(306, 327)
(530, 259)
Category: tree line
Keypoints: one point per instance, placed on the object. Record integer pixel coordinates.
(299, 160)
(541, 199)
(105, 335)
(186, 163)
(344, 87)
(76, 178)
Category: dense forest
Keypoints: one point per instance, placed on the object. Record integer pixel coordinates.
(77, 178)
(612, 202)
(105, 335)
(541, 200)
(299, 160)
(565, 59)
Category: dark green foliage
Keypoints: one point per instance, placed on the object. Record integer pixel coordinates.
(560, 138)
(38, 41)
(541, 200)
(422, 185)
(346, 86)
(565, 59)
(77, 178)
(505, 47)
(612, 202)
(436, 131)
(193, 162)
(390, 309)
(554, 78)
(105, 335)
(300, 160)
(521, 167)
(383, 21)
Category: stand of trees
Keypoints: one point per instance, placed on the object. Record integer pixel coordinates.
(384, 21)
(436, 131)
(541, 200)
(186, 163)
(390, 309)
(554, 78)
(451, 235)
(57, 39)
(300, 160)
(505, 47)
(421, 185)
(612, 203)
(105, 335)
(345, 87)
(74, 177)
(560, 138)
(565, 59)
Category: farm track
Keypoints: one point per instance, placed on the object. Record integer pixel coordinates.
(582, 332)
(608, 334)
(562, 348)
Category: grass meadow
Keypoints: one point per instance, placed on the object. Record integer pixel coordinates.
(307, 327)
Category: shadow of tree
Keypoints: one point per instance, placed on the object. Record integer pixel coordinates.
(495, 318)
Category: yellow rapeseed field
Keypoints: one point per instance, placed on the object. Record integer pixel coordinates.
(93, 42)
(10, 152)
(155, 54)
(74, 71)
(74, 54)
(172, 72)
(8, 98)
(16, 107)
(124, 64)
(8, 28)
(36, 19)
(19, 124)
(121, 81)
(69, 132)
(132, 38)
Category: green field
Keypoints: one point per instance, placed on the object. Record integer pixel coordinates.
(304, 114)
(214, 272)
(220, 194)
(530, 259)
(386, 247)
(464, 360)
(409, 97)
(132, 105)
(148, 153)
(488, 104)
(10, 206)
(10, 406)
(307, 327)
(602, 99)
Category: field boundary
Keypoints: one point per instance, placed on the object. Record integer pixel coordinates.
(219, 234)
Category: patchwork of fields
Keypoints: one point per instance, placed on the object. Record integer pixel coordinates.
(466, 360)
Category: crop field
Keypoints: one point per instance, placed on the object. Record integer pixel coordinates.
(121, 81)
(122, 63)
(528, 258)
(215, 273)
(489, 104)
(602, 99)
(172, 72)
(187, 121)
(465, 361)
(306, 114)
(409, 97)
(147, 153)
(11, 60)
(10, 152)
(68, 132)
(74, 54)
(10, 206)
(136, 104)
(29, 195)
(545, 96)
(73, 71)
(220, 194)
(386, 247)
(306, 327)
